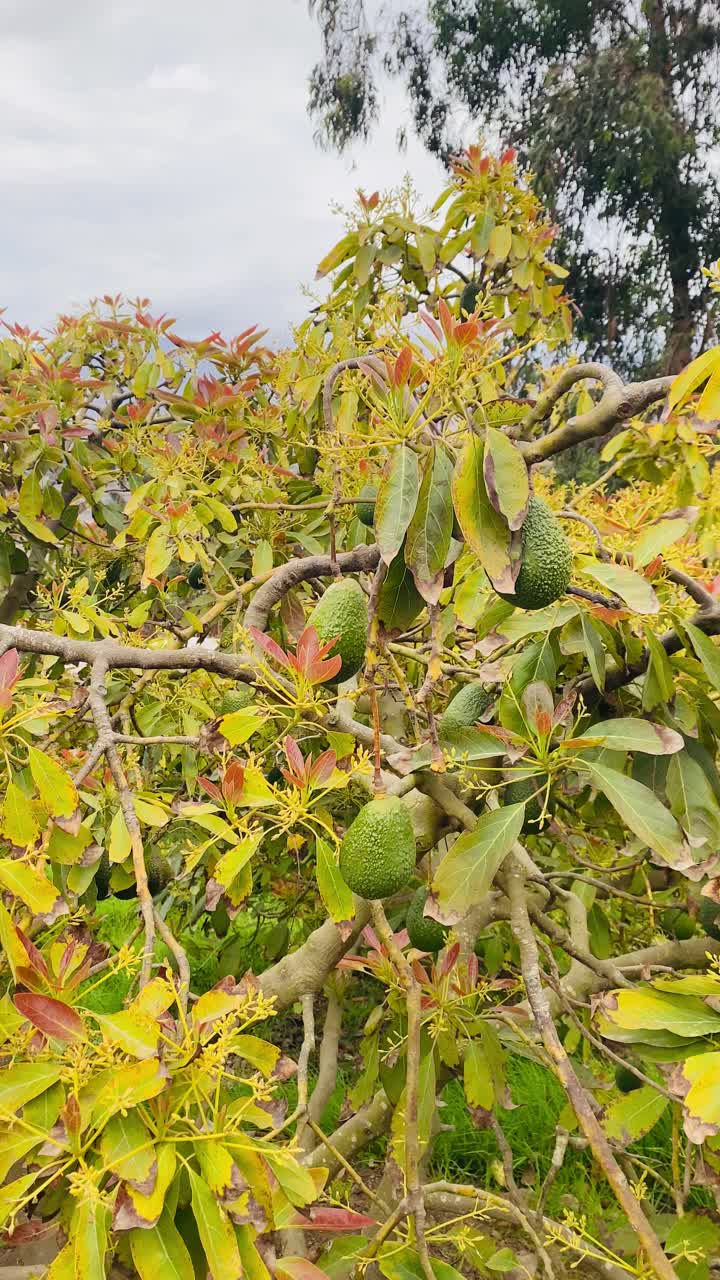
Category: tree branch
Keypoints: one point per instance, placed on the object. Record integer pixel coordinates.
(361, 560)
(619, 402)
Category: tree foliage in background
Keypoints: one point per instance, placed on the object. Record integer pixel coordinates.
(615, 108)
(180, 768)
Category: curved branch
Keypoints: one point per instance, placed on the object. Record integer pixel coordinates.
(360, 560)
(116, 655)
(306, 970)
(619, 402)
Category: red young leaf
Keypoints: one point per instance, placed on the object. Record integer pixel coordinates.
(271, 647)
(233, 782)
(508, 156)
(295, 757)
(325, 1218)
(323, 767)
(9, 677)
(298, 1269)
(70, 1115)
(37, 963)
(403, 365)
(449, 960)
(446, 318)
(211, 789)
(50, 1016)
(432, 324)
(466, 332)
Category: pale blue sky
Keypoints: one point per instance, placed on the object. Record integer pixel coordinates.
(163, 147)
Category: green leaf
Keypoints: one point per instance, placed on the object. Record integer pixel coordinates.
(18, 823)
(506, 477)
(259, 1053)
(594, 651)
(484, 529)
(628, 734)
(471, 744)
(89, 1231)
(693, 1232)
(405, 1264)
(500, 241)
(336, 895)
(295, 1181)
(659, 684)
(29, 885)
(364, 259)
(632, 1115)
(481, 232)
(134, 1033)
(396, 501)
(38, 529)
(426, 251)
(216, 1232)
(641, 811)
(151, 815)
(231, 863)
(56, 787)
(13, 1196)
(126, 1086)
(430, 530)
(127, 1148)
(469, 867)
(645, 1009)
(120, 844)
(339, 252)
(30, 499)
(19, 1084)
(239, 726)
(160, 1253)
(657, 538)
(634, 590)
(158, 554)
(477, 1077)
(692, 800)
(707, 652)
(693, 375)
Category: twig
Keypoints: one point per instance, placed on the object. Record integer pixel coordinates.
(181, 959)
(599, 1144)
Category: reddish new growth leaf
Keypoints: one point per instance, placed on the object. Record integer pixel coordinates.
(304, 773)
(37, 962)
(331, 1219)
(233, 782)
(270, 646)
(55, 1019)
(403, 365)
(508, 156)
(309, 659)
(9, 676)
(211, 789)
(446, 319)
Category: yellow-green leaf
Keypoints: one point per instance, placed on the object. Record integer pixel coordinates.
(29, 885)
(18, 823)
(336, 895)
(632, 1115)
(160, 1253)
(120, 844)
(158, 554)
(506, 477)
(215, 1231)
(56, 787)
(468, 869)
(484, 529)
(239, 726)
(133, 1032)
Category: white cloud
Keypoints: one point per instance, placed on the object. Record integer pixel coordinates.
(187, 77)
(216, 204)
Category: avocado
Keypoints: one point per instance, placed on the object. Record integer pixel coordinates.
(545, 560)
(708, 917)
(236, 700)
(377, 855)
(102, 877)
(677, 923)
(468, 299)
(159, 874)
(626, 1080)
(424, 933)
(466, 707)
(196, 577)
(400, 601)
(529, 791)
(365, 510)
(342, 614)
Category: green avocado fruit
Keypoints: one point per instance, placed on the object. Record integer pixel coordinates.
(677, 923)
(626, 1080)
(708, 917)
(377, 855)
(468, 299)
(196, 577)
(365, 510)
(545, 560)
(466, 707)
(399, 602)
(341, 614)
(424, 933)
(236, 700)
(529, 791)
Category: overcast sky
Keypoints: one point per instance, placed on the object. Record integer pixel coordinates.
(163, 147)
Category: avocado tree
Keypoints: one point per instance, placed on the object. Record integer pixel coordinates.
(349, 758)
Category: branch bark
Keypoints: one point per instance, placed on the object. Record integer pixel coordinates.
(619, 402)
